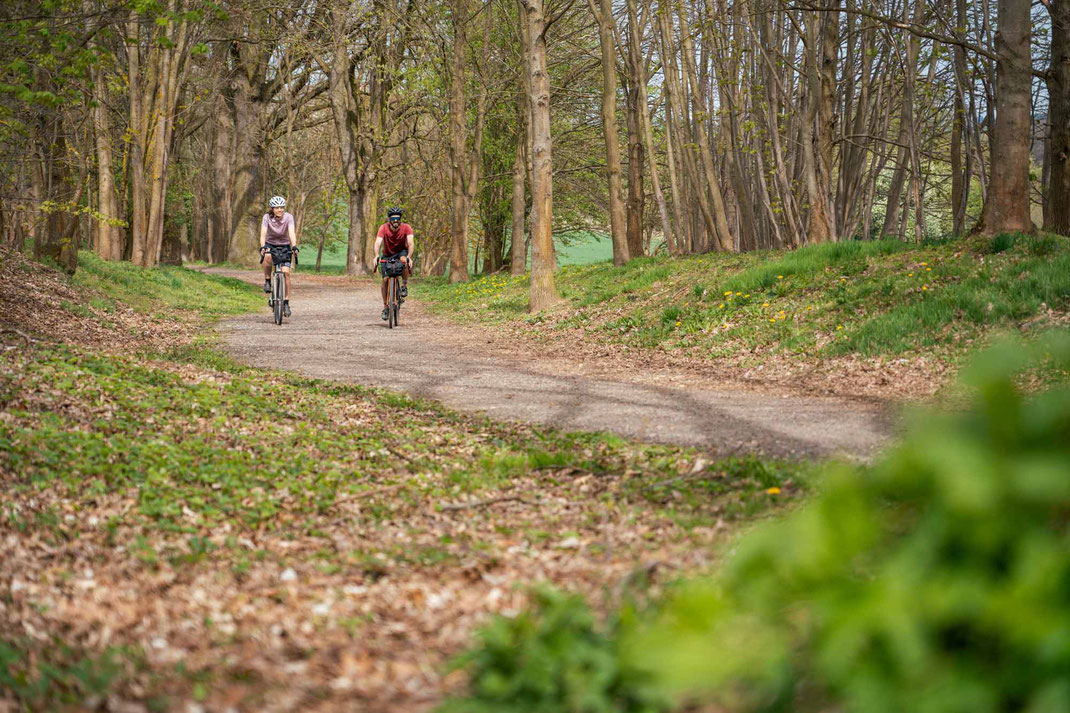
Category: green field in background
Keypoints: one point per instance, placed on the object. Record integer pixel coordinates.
(575, 249)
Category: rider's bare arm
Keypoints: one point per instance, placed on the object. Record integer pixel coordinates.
(292, 236)
(378, 246)
(410, 244)
(263, 235)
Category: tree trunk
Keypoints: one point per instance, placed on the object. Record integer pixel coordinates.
(718, 220)
(603, 14)
(636, 194)
(458, 146)
(138, 192)
(543, 293)
(518, 260)
(1007, 203)
(667, 230)
(109, 245)
(1057, 205)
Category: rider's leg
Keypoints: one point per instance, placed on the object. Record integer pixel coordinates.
(405, 280)
(286, 301)
(385, 315)
(267, 271)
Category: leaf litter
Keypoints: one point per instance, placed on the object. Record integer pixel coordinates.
(178, 537)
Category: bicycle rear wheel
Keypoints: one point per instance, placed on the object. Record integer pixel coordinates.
(278, 292)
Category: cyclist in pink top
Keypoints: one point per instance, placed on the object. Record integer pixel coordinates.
(278, 244)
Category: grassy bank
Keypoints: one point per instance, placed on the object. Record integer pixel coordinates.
(174, 292)
(862, 298)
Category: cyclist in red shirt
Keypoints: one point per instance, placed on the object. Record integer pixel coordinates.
(395, 239)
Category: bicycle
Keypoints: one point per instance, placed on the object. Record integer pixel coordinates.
(277, 300)
(393, 268)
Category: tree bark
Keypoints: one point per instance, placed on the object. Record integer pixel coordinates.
(636, 152)
(109, 245)
(458, 146)
(1057, 203)
(518, 261)
(667, 229)
(603, 15)
(543, 293)
(1007, 202)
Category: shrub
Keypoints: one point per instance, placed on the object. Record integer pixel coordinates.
(553, 658)
(937, 580)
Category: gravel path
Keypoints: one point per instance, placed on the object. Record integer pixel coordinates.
(336, 333)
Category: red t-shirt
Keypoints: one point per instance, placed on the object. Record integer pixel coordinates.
(393, 243)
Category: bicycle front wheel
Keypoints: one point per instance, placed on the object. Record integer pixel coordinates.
(279, 293)
(391, 302)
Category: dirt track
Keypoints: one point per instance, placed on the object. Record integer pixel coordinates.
(336, 333)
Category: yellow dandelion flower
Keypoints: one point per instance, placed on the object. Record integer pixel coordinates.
(910, 274)
(772, 319)
(765, 304)
(726, 294)
(780, 277)
(745, 296)
(677, 324)
(928, 269)
(809, 306)
(925, 263)
(925, 288)
(773, 491)
(738, 294)
(720, 306)
(839, 327)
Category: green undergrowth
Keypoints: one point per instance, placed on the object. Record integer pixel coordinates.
(52, 675)
(864, 298)
(174, 291)
(935, 579)
(223, 443)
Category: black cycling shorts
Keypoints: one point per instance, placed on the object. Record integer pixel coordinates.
(404, 252)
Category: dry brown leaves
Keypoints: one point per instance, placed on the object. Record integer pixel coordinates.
(41, 303)
(349, 610)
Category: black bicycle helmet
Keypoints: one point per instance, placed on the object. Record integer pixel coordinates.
(391, 212)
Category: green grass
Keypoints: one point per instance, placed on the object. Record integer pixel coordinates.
(176, 290)
(865, 298)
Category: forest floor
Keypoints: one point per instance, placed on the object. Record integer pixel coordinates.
(180, 532)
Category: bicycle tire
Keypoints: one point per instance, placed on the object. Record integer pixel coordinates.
(391, 298)
(279, 292)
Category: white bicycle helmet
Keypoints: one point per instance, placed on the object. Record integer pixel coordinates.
(277, 202)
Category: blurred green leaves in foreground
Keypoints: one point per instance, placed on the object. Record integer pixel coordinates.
(936, 580)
